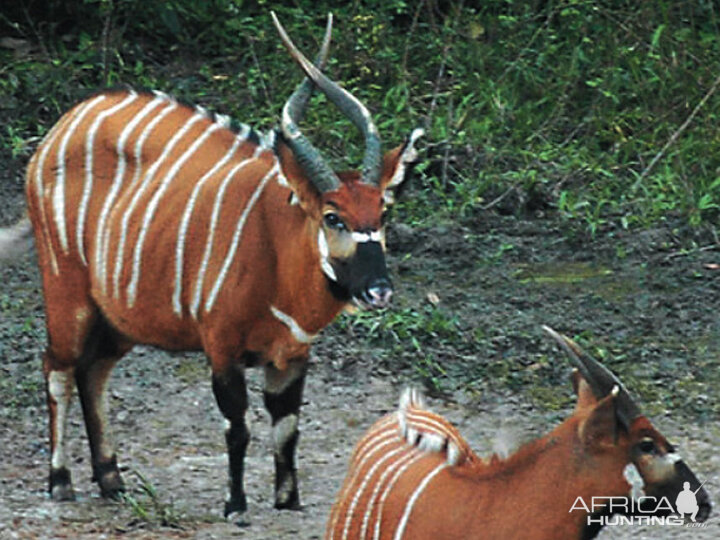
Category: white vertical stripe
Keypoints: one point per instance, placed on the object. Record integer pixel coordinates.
(59, 190)
(365, 448)
(155, 200)
(390, 486)
(384, 426)
(137, 193)
(102, 240)
(413, 499)
(360, 447)
(47, 143)
(410, 455)
(236, 237)
(87, 188)
(187, 214)
(214, 216)
(147, 131)
(350, 513)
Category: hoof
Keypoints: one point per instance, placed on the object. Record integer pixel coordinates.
(112, 494)
(287, 495)
(237, 518)
(235, 506)
(295, 506)
(62, 493)
(61, 485)
(111, 486)
(290, 502)
(107, 475)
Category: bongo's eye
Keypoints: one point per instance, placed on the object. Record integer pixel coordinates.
(647, 446)
(333, 221)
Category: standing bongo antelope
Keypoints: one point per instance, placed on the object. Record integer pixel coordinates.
(413, 476)
(162, 224)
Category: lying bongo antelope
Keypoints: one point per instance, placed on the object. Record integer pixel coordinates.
(160, 223)
(413, 476)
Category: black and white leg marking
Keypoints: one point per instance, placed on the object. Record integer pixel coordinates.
(283, 397)
(92, 388)
(59, 393)
(231, 395)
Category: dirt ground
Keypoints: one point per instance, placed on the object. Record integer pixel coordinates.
(466, 326)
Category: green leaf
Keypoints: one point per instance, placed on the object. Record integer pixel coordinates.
(656, 36)
(706, 202)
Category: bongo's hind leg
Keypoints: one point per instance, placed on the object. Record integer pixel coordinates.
(59, 387)
(103, 349)
(70, 320)
(81, 351)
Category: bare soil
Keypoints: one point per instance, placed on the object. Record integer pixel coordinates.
(466, 326)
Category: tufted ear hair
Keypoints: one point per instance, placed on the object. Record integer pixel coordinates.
(397, 163)
(304, 192)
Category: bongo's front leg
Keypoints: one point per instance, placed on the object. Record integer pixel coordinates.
(230, 392)
(283, 397)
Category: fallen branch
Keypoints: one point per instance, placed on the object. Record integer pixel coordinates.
(686, 252)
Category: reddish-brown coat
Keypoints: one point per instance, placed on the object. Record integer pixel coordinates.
(528, 495)
(277, 262)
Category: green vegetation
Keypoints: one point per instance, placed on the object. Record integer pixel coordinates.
(604, 111)
(412, 337)
(146, 506)
(602, 114)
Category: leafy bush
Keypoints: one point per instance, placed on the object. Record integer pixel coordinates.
(605, 111)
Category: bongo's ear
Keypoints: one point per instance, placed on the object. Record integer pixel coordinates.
(397, 163)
